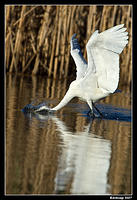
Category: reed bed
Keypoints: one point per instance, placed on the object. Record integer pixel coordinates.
(37, 38)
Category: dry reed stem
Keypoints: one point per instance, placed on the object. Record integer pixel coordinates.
(63, 43)
(70, 23)
(18, 41)
(58, 42)
(41, 36)
(53, 47)
(25, 15)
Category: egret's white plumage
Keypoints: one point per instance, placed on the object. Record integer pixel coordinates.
(100, 76)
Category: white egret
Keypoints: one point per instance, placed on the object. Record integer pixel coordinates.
(98, 77)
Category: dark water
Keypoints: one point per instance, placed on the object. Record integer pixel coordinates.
(66, 152)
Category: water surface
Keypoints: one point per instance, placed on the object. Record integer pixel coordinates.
(66, 152)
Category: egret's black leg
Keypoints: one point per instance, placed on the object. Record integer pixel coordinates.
(97, 110)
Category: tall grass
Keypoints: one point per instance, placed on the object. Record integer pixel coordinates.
(37, 38)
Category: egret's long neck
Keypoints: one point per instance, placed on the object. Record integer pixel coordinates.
(68, 96)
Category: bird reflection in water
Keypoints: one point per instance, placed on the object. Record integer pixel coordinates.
(84, 160)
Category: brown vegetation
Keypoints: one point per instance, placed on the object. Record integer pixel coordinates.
(37, 37)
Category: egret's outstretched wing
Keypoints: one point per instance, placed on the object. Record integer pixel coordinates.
(103, 56)
(76, 53)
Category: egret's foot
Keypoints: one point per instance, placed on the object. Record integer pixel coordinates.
(97, 110)
(91, 114)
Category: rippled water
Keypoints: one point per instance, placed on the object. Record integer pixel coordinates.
(66, 152)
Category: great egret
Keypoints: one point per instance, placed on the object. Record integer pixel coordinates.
(100, 76)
